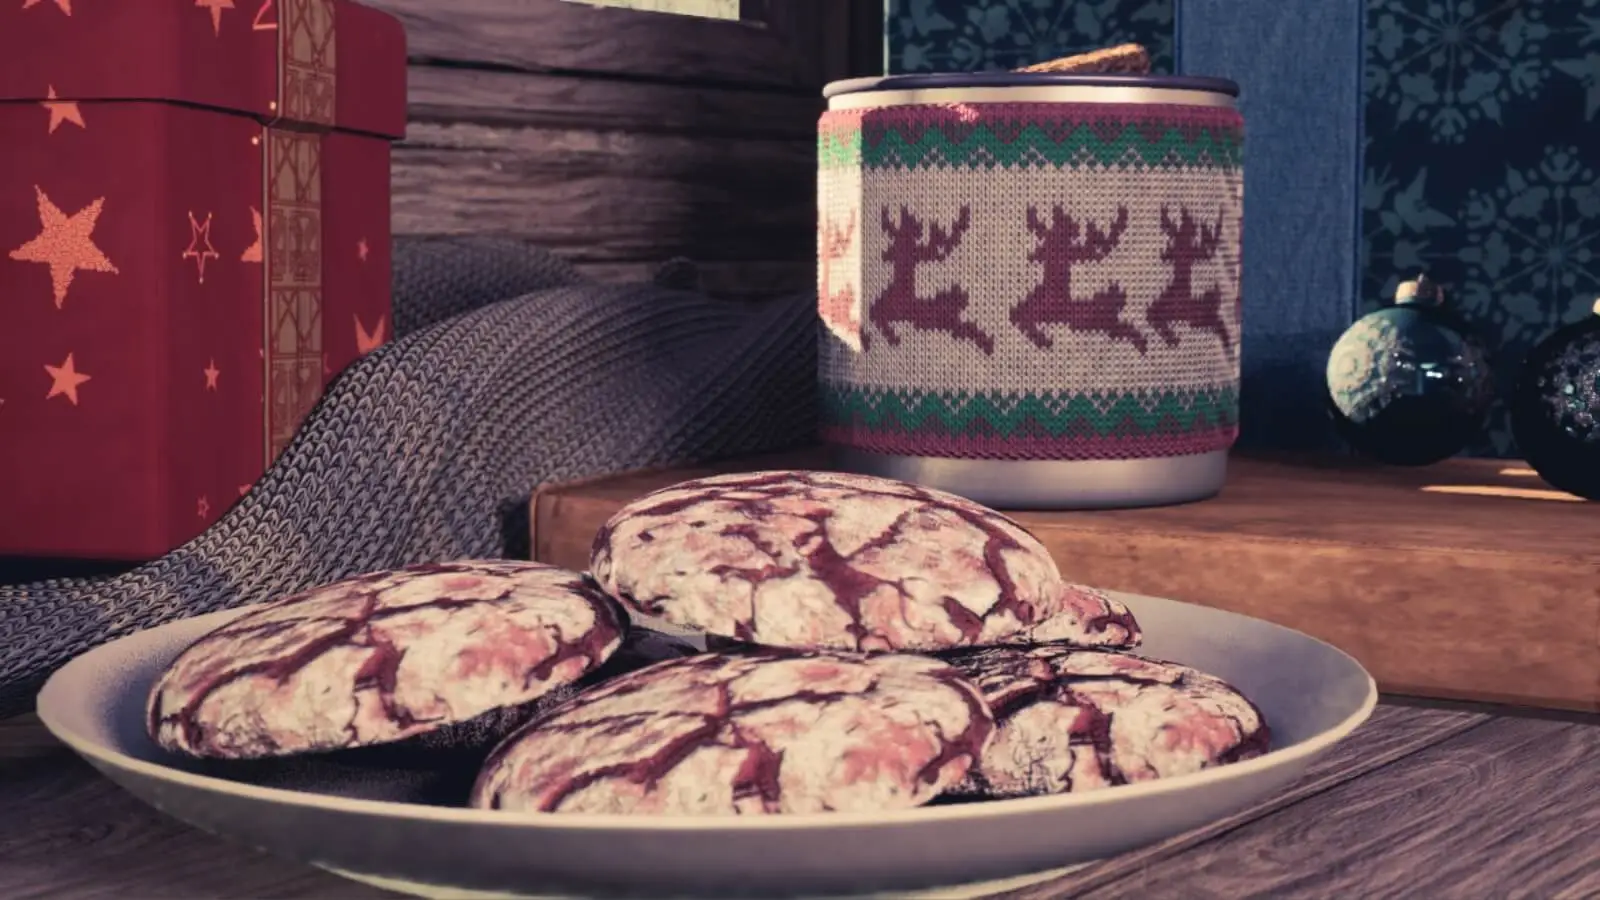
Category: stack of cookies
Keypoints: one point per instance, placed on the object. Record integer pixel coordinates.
(874, 645)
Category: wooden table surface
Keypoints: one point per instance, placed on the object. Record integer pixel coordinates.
(1443, 802)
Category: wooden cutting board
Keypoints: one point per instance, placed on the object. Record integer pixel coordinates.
(1469, 579)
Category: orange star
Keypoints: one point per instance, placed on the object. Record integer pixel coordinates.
(203, 508)
(200, 233)
(252, 253)
(368, 341)
(211, 372)
(64, 244)
(362, 249)
(64, 380)
(216, 7)
(61, 111)
(260, 23)
(64, 5)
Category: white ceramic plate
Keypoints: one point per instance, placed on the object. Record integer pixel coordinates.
(377, 825)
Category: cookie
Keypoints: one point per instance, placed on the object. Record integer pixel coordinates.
(1086, 617)
(1076, 720)
(1123, 59)
(382, 657)
(766, 732)
(820, 560)
(641, 647)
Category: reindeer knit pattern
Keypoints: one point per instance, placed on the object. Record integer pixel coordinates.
(1030, 280)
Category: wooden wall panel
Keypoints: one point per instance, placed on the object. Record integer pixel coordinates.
(621, 138)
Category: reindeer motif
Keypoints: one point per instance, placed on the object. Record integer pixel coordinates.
(1189, 242)
(899, 302)
(1063, 244)
(837, 308)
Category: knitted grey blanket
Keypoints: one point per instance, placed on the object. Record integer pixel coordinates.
(429, 447)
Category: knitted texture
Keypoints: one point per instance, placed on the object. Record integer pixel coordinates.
(1030, 280)
(428, 448)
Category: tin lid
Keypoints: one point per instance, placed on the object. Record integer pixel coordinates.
(933, 80)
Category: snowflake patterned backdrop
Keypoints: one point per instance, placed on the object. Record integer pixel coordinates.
(1481, 123)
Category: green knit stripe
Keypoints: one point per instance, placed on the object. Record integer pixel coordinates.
(1103, 413)
(839, 148)
(1084, 146)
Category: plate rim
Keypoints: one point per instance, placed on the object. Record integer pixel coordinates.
(621, 822)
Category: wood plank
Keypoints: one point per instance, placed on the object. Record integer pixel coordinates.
(69, 832)
(598, 196)
(1488, 598)
(738, 279)
(1509, 809)
(563, 102)
(558, 36)
(1393, 733)
(24, 737)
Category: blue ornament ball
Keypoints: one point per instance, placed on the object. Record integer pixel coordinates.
(1409, 384)
(1555, 408)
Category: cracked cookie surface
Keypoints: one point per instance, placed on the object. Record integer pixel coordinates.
(383, 657)
(1076, 720)
(822, 560)
(641, 647)
(764, 732)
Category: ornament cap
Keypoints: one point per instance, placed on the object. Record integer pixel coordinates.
(1596, 307)
(1421, 290)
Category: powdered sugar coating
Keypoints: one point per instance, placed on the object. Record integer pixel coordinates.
(641, 647)
(1087, 617)
(1076, 720)
(768, 732)
(822, 560)
(382, 657)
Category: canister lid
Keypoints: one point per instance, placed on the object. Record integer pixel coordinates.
(934, 80)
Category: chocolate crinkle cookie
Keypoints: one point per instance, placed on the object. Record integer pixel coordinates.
(476, 737)
(383, 657)
(821, 560)
(1069, 719)
(758, 733)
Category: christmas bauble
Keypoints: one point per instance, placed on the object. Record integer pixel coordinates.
(1555, 409)
(1409, 384)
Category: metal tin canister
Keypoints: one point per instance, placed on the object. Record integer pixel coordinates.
(1029, 284)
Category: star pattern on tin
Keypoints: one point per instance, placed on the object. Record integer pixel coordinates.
(61, 110)
(362, 250)
(368, 341)
(211, 372)
(216, 7)
(63, 5)
(203, 507)
(200, 248)
(65, 244)
(252, 253)
(64, 380)
(244, 489)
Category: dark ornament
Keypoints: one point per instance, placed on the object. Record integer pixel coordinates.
(1410, 383)
(1555, 409)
